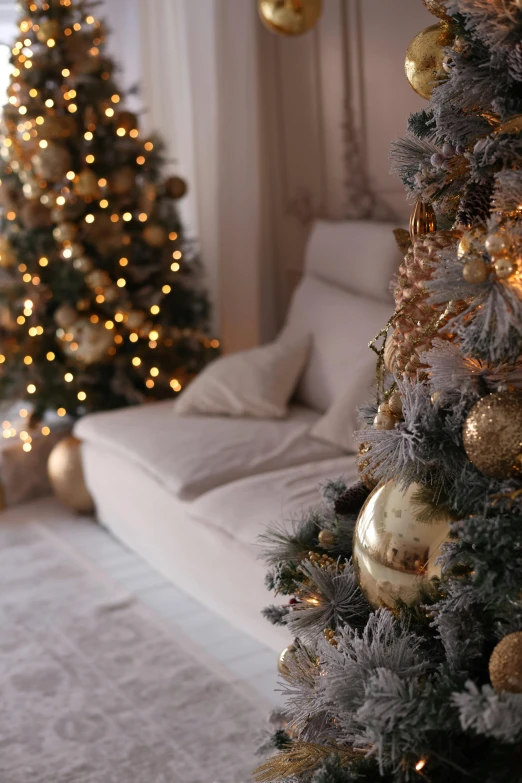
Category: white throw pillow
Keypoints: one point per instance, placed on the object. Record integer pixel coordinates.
(256, 383)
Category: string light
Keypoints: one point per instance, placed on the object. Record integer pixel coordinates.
(118, 339)
(60, 200)
(104, 203)
(31, 388)
(134, 133)
(109, 325)
(175, 267)
(51, 42)
(115, 98)
(153, 335)
(121, 282)
(72, 108)
(23, 413)
(121, 132)
(66, 72)
(140, 160)
(50, 356)
(43, 261)
(2, 358)
(419, 766)
(136, 361)
(82, 396)
(61, 412)
(43, 144)
(46, 431)
(149, 383)
(90, 20)
(177, 254)
(89, 136)
(175, 384)
(68, 377)
(70, 176)
(143, 217)
(166, 289)
(124, 261)
(89, 218)
(109, 112)
(154, 372)
(49, 103)
(94, 319)
(27, 446)
(100, 299)
(102, 182)
(214, 343)
(115, 218)
(133, 337)
(149, 146)
(90, 159)
(28, 359)
(20, 320)
(40, 120)
(155, 309)
(77, 26)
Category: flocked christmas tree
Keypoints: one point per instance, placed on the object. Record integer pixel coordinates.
(406, 589)
(101, 300)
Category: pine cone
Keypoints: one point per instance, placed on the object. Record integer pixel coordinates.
(413, 328)
(475, 204)
(352, 500)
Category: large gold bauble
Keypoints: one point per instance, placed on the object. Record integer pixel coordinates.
(86, 184)
(122, 180)
(282, 662)
(505, 664)
(66, 475)
(290, 17)
(395, 550)
(93, 341)
(176, 187)
(423, 66)
(493, 435)
(155, 235)
(53, 162)
(437, 8)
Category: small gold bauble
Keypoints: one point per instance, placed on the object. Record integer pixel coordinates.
(122, 180)
(86, 184)
(396, 544)
(49, 29)
(424, 58)
(475, 270)
(175, 187)
(422, 220)
(53, 162)
(282, 662)
(472, 242)
(326, 538)
(290, 17)
(395, 403)
(505, 664)
(437, 8)
(493, 435)
(93, 341)
(65, 232)
(155, 235)
(65, 316)
(384, 421)
(504, 268)
(65, 471)
(496, 244)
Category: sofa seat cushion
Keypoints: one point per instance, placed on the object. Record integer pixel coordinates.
(244, 508)
(193, 454)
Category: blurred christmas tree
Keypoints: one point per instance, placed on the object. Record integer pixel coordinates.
(101, 298)
(406, 589)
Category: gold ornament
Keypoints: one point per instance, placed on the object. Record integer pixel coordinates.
(396, 543)
(86, 184)
(505, 664)
(395, 403)
(126, 120)
(53, 162)
(35, 215)
(175, 187)
(8, 256)
(65, 316)
(93, 341)
(290, 17)
(66, 475)
(496, 244)
(437, 8)
(282, 663)
(65, 232)
(423, 220)
(365, 475)
(504, 268)
(472, 242)
(155, 235)
(49, 29)
(326, 538)
(122, 181)
(475, 271)
(424, 58)
(493, 435)
(390, 353)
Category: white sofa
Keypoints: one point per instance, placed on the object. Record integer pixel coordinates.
(191, 494)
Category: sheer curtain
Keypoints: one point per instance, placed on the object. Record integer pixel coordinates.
(197, 62)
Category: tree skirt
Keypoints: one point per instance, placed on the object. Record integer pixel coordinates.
(95, 690)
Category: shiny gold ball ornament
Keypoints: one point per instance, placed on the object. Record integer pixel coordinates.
(175, 187)
(396, 545)
(290, 17)
(86, 184)
(282, 662)
(492, 435)
(472, 242)
(475, 271)
(496, 244)
(122, 181)
(53, 162)
(505, 664)
(93, 341)
(504, 267)
(155, 235)
(424, 58)
(422, 220)
(437, 8)
(51, 28)
(65, 471)
(326, 538)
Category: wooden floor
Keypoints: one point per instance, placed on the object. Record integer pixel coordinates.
(246, 659)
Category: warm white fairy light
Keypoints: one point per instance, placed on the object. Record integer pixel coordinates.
(61, 412)
(419, 766)
(31, 388)
(136, 361)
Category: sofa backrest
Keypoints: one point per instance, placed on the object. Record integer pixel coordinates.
(343, 301)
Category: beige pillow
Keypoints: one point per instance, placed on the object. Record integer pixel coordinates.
(256, 383)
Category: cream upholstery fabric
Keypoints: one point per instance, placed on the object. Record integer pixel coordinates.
(257, 383)
(190, 455)
(342, 324)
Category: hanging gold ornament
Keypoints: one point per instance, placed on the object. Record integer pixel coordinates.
(86, 184)
(424, 58)
(53, 162)
(65, 471)
(290, 17)
(505, 664)
(122, 181)
(175, 187)
(475, 271)
(504, 268)
(493, 435)
(396, 544)
(422, 220)
(326, 538)
(49, 29)
(155, 235)
(93, 341)
(282, 662)
(437, 8)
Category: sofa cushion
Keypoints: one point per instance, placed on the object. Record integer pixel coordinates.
(244, 508)
(341, 324)
(193, 454)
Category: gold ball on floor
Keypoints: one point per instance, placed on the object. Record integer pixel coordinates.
(492, 435)
(66, 475)
(505, 664)
(424, 58)
(287, 653)
(396, 544)
(290, 17)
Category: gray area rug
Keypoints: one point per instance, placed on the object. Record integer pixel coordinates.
(93, 689)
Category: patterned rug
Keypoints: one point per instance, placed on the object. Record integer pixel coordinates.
(93, 688)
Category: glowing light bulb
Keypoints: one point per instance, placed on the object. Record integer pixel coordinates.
(102, 182)
(66, 72)
(89, 136)
(175, 266)
(154, 372)
(82, 396)
(90, 159)
(127, 216)
(61, 412)
(109, 112)
(121, 282)
(140, 160)
(121, 131)
(143, 217)
(214, 343)
(23, 413)
(175, 384)
(109, 325)
(46, 431)
(70, 176)
(420, 765)
(31, 388)
(155, 309)
(136, 361)
(89, 218)
(72, 108)
(49, 103)
(124, 261)
(43, 261)
(28, 359)
(153, 335)
(27, 446)
(43, 144)
(104, 203)
(133, 337)
(149, 383)
(50, 356)
(166, 289)
(149, 146)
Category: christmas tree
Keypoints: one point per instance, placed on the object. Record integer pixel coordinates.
(101, 299)
(405, 590)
